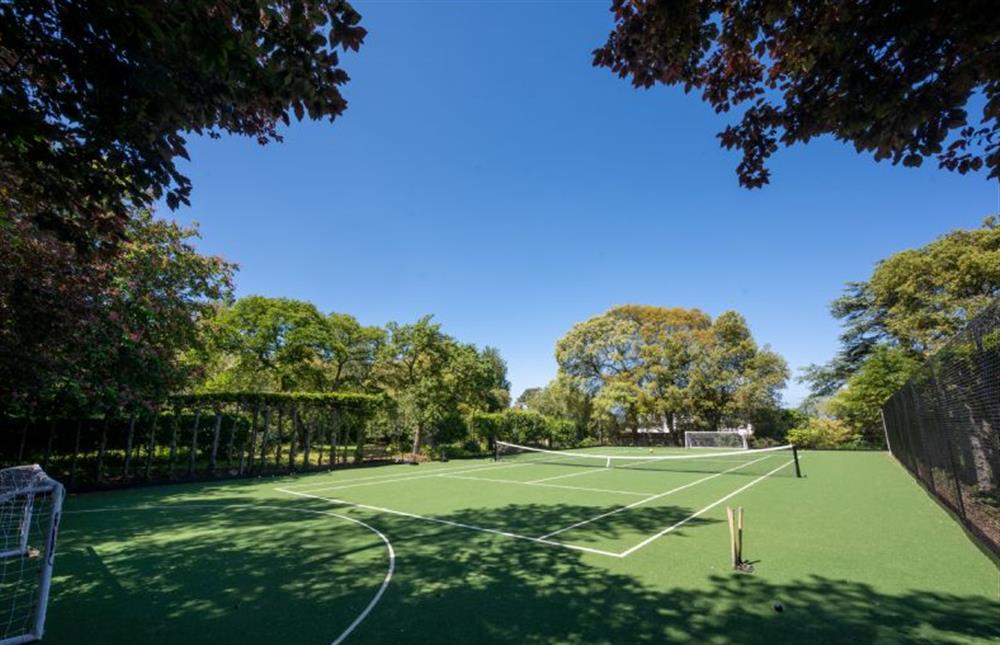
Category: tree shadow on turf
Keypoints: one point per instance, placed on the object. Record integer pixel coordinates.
(177, 573)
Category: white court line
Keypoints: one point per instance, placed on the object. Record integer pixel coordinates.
(650, 498)
(436, 467)
(470, 527)
(388, 545)
(332, 486)
(585, 472)
(690, 517)
(511, 481)
(487, 466)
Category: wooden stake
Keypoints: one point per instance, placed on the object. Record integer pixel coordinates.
(739, 536)
(732, 536)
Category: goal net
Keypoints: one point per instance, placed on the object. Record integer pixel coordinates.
(30, 506)
(699, 439)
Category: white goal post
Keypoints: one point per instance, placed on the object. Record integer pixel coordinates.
(30, 507)
(721, 439)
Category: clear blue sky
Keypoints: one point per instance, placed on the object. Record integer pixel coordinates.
(486, 173)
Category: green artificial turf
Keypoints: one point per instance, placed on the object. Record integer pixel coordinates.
(855, 552)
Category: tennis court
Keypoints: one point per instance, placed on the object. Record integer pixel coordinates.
(610, 502)
(527, 549)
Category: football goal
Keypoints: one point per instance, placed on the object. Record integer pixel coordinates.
(30, 505)
(700, 439)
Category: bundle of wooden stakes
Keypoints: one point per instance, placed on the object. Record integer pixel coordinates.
(735, 516)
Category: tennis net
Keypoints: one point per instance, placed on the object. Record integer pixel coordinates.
(741, 462)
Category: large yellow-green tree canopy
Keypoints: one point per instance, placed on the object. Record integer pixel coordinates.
(644, 364)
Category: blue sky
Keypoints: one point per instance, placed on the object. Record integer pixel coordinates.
(486, 173)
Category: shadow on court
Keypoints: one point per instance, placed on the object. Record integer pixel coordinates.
(181, 574)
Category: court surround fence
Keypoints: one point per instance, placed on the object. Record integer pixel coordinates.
(943, 425)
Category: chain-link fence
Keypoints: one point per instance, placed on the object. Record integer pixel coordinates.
(944, 426)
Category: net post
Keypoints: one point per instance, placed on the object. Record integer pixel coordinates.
(885, 429)
(45, 581)
(795, 457)
(496, 450)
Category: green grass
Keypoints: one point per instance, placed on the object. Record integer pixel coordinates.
(855, 551)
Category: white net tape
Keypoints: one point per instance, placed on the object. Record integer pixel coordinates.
(702, 462)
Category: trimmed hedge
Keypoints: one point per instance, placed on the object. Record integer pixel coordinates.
(192, 436)
(339, 400)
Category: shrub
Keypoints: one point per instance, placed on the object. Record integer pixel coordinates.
(763, 442)
(825, 434)
(561, 431)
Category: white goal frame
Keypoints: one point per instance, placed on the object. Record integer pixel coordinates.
(30, 509)
(691, 439)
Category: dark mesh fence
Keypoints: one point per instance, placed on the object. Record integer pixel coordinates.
(944, 426)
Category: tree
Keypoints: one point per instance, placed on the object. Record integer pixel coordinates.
(160, 289)
(915, 300)
(733, 379)
(411, 367)
(117, 338)
(894, 79)
(561, 398)
(528, 396)
(46, 297)
(267, 344)
(435, 381)
(643, 364)
(96, 96)
(618, 405)
(859, 404)
(774, 423)
(348, 350)
(635, 360)
(482, 379)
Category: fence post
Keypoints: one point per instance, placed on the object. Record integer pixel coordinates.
(151, 448)
(215, 440)
(307, 436)
(232, 438)
(292, 441)
(321, 438)
(194, 442)
(247, 460)
(128, 445)
(175, 424)
(277, 450)
(885, 430)
(946, 439)
(76, 453)
(103, 448)
(334, 436)
(262, 463)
